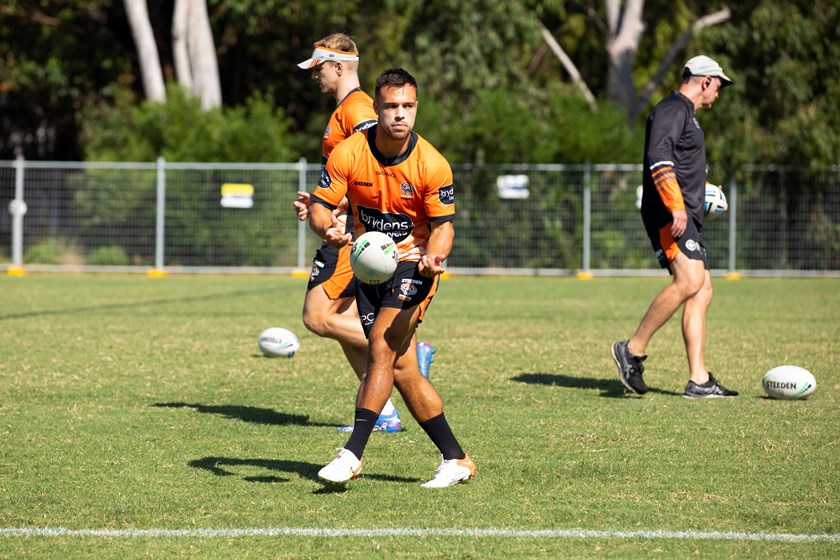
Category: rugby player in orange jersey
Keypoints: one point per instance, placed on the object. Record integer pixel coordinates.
(399, 184)
(329, 309)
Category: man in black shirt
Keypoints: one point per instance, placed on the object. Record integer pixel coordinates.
(672, 211)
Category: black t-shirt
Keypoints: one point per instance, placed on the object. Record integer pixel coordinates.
(673, 137)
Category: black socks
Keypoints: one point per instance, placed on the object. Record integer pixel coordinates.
(362, 428)
(441, 434)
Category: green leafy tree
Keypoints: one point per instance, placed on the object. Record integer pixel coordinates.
(181, 131)
(62, 56)
(521, 125)
(55, 57)
(783, 107)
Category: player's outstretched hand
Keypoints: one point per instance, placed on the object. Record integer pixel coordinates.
(431, 265)
(302, 205)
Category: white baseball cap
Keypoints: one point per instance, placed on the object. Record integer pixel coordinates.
(704, 66)
(323, 54)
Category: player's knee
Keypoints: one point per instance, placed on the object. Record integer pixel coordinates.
(706, 293)
(688, 285)
(315, 323)
(406, 369)
(379, 349)
(689, 277)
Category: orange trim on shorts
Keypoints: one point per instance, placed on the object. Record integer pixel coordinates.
(668, 244)
(425, 303)
(342, 276)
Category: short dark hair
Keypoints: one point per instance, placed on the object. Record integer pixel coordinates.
(394, 77)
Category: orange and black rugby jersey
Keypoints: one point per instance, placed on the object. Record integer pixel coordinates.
(396, 196)
(354, 113)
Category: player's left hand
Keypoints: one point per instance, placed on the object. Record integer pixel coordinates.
(431, 265)
(302, 205)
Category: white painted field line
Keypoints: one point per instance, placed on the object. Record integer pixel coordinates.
(409, 532)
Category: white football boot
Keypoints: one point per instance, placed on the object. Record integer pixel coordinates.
(452, 472)
(343, 468)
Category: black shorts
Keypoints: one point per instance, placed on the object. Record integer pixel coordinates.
(405, 290)
(331, 268)
(690, 243)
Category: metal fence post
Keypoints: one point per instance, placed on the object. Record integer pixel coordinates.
(585, 273)
(158, 271)
(302, 226)
(731, 273)
(18, 209)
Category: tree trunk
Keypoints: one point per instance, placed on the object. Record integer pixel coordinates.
(180, 50)
(625, 33)
(706, 21)
(568, 65)
(203, 63)
(147, 53)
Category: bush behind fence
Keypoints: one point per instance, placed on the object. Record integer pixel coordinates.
(552, 219)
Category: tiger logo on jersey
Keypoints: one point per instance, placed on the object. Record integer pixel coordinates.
(407, 191)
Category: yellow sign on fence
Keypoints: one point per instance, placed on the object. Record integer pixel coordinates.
(237, 195)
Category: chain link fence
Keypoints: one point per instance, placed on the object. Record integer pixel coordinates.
(545, 219)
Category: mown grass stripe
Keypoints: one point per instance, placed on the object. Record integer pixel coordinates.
(414, 532)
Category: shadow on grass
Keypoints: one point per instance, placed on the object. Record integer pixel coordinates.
(251, 414)
(224, 466)
(610, 388)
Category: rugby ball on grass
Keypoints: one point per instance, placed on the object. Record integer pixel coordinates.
(715, 204)
(278, 343)
(374, 257)
(788, 382)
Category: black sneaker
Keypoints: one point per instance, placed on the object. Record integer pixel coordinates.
(630, 367)
(708, 390)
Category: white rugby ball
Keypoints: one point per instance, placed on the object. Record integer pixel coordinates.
(788, 382)
(715, 204)
(277, 342)
(374, 257)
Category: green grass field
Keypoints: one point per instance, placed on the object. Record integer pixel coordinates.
(130, 404)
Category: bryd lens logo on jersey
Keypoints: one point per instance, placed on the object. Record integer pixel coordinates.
(407, 191)
(447, 195)
(325, 180)
(398, 226)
